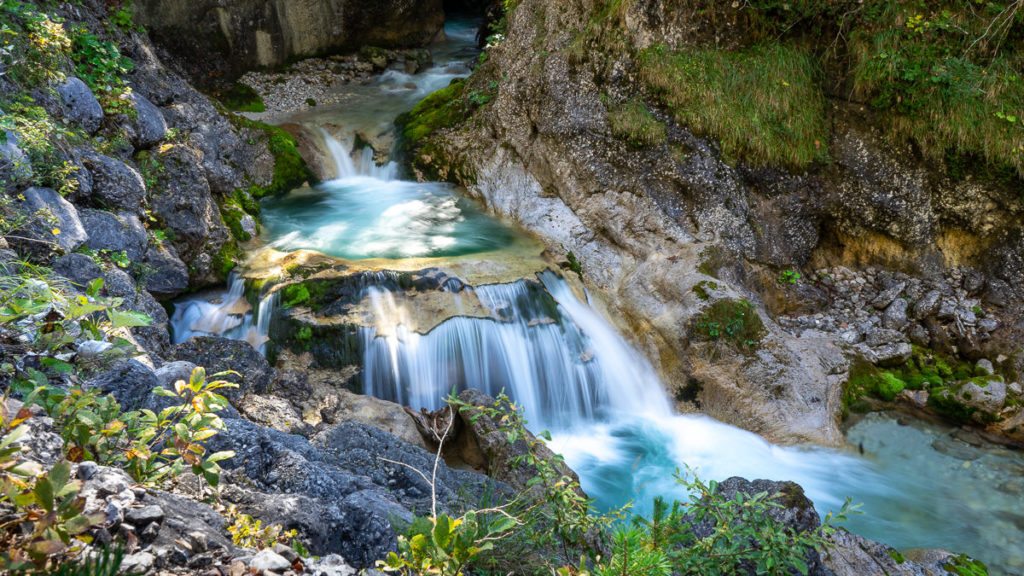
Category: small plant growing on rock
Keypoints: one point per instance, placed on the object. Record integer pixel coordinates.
(248, 532)
(789, 277)
(46, 502)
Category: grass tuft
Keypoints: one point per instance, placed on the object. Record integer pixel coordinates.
(764, 103)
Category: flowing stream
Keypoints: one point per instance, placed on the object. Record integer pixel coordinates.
(544, 344)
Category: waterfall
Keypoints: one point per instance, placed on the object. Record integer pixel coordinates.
(227, 314)
(338, 152)
(574, 375)
(344, 166)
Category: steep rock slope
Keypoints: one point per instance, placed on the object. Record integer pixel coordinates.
(247, 34)
(570, 135)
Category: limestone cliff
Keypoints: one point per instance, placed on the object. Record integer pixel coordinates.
(241, 35)
(574, 136)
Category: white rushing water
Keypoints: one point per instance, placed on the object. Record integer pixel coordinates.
(227, 314)
(575, 376)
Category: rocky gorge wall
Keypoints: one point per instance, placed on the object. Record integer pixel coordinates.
(241, 35)
(673, 228)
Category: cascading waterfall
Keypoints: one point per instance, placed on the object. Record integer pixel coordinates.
(226, 314)
(571, 371)
(575, 376)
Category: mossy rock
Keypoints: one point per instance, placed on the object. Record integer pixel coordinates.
(735, 322)
(290, 169)
(442, 109)
(241, 97)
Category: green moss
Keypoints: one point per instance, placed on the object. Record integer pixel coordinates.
(964, 565)
(241, 98)
(304, 334)
(764, 104)
(227, 258)
(634, 123)
(442, 109)
(703, 290)
(943, 401)
(295, 295)
(290, 170)
(733, 321)
(888, 386)
(896, 556)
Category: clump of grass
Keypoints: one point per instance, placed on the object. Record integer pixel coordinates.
(764, 103)
(734, 321)
(634, 123)
(945, 78)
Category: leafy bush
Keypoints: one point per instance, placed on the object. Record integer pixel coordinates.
(35, 44)
(43, 141)
(248, 532)
(45, 501)
(100, 65)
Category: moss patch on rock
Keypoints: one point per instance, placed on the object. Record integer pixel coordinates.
(290, 170)
(442, 109)
(635, 124)
(241, 97)
(734, 322)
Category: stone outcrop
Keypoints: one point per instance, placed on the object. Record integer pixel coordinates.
(665, 231)
(240, 35)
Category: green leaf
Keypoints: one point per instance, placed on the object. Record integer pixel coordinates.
(60, 474)
(44, 494)
(223, 455)
(94, 287)
(127, 319)
(197, 379)
(13, 436)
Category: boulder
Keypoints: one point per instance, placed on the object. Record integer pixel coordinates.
(986, 394)
(269, 561)
(485, 444)
(149, 126)
(221, 354)
(54, 220)
(78, 268)
(887, 296)
(168, 275)
(852, 555)
(895, 316)
(130, 382)
(115, 184)
(927, 305)
(81, 105)
(119, 233)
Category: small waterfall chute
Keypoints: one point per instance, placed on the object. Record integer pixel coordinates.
(226, 314)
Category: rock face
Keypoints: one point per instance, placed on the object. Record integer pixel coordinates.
(53, 220)
(654, 227)
(247, 34)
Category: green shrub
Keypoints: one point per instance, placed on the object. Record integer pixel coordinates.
(295, 295)
(735, 322)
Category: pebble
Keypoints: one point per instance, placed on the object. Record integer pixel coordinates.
(269, 561)
(143, 516)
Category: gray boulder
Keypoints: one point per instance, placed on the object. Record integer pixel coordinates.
(986, 394)
(130, 382)
(222, 354)
(78, 268)
(119, 233)
(55, 221)
(115, 184)
(927, 305)
(886, 297)
(81, 105)
(895, 316)
(168, 275)
(150, 126)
